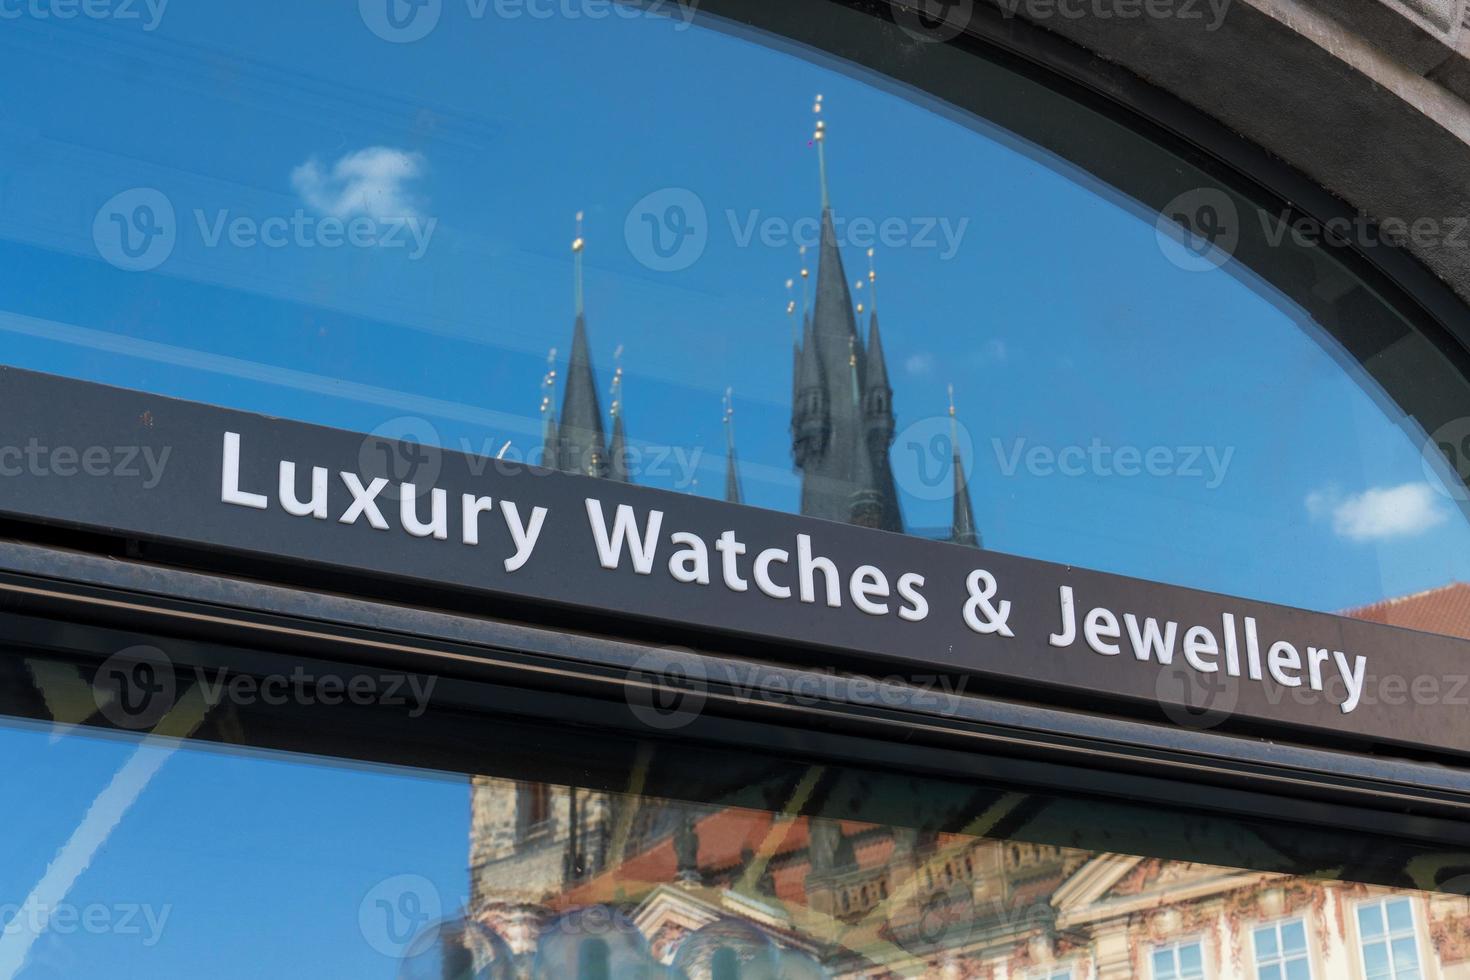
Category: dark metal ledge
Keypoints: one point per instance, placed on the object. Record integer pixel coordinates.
(911, 726)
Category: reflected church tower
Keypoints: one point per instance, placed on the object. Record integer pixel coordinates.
(842, 420)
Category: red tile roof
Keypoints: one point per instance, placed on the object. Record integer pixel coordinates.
(1445, 610)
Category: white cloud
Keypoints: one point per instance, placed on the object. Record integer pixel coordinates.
(370, 181)
(919, 364)
(1379, 513)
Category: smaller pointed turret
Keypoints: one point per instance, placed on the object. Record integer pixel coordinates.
(732, 471)
(963, 530)
(617, 449)
(548, 413)
(580, 445)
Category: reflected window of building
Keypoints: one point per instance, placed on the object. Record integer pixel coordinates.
(1281, 951)
(1390, 947)
(1180, 961)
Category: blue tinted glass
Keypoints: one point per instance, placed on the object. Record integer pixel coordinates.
(1298, 969)
(1405, 954)
(1294, 936)
(1400, 915)
(1271, 972)
(375, 275)
(1191, 960)
(1164, 965)
(1266, 941)
(1375, 957)
(1370, 920)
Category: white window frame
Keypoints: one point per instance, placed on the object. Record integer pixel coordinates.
(1388, 933)
(1280, 959)
(1174, 948)
(1052, 973)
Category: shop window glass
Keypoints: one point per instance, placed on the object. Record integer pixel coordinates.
(1281, 951)
(1390, 945)
(1182, 961)
(299, 216)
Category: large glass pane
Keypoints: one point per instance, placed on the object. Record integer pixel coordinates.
(321, 214)
(134, 855)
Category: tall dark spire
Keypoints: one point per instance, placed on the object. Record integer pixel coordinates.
(580, 445)
(963, 530)
(732, 472)
(842, 452)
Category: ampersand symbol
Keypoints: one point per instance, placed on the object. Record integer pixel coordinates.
(982, 588)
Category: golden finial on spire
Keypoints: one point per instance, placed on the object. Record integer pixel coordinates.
(548, 384)
(852, 366)
(805, 276)
(617, 383)
(872, 281)
(578, 244)
(820, 138)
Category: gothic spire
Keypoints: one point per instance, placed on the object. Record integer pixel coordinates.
(548, 412)
(617, 450)
(877, 365)
(963, 530)
(732, 473)
(580, 446)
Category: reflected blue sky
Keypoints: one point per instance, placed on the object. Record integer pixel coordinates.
(1058, 319)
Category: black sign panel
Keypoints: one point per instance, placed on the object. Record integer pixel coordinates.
(157, 468)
